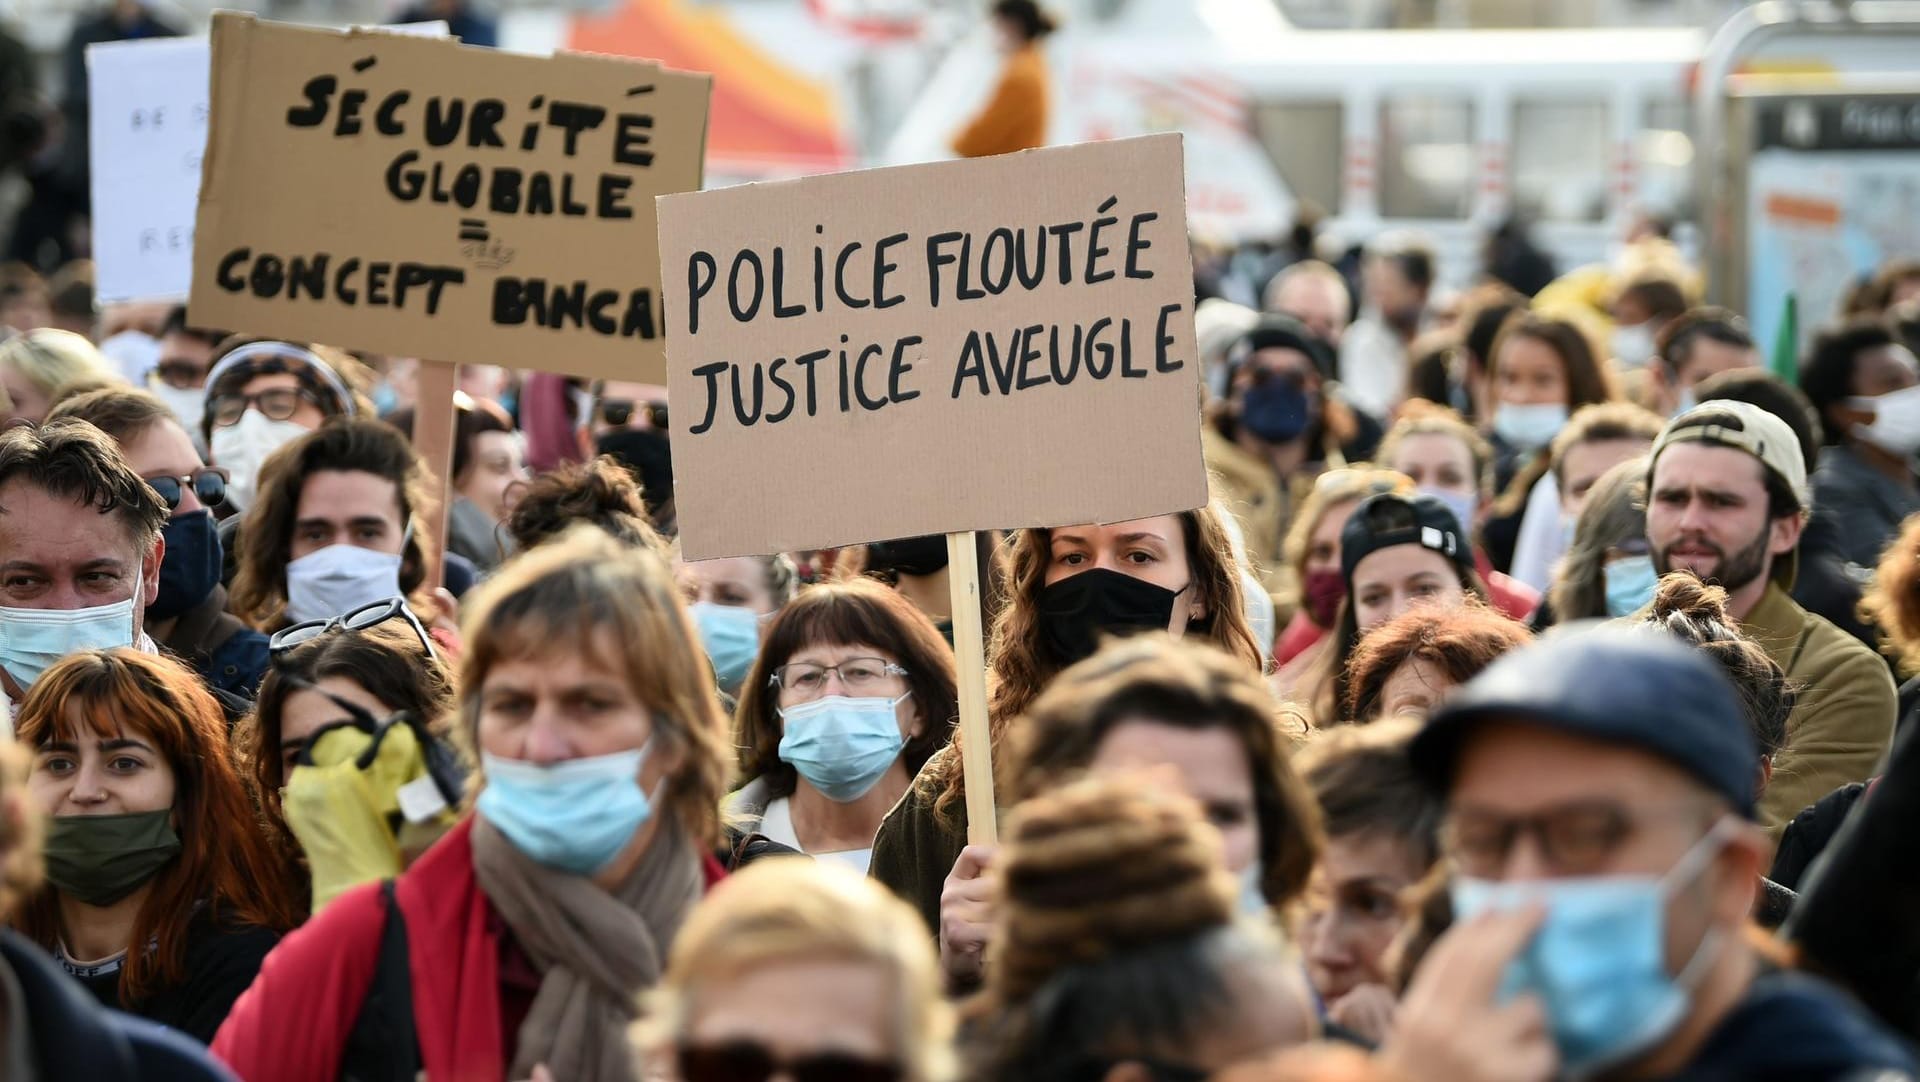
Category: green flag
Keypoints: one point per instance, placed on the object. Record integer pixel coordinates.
(1786, 343)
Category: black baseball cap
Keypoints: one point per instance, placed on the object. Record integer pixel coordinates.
(1636, 687)
(1390, 519)
(1274, 331)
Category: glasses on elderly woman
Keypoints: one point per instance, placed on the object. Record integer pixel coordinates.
(748, 1061)
(856, 674)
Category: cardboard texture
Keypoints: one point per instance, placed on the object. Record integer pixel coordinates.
(425, 198)
(147, 127)
(975, 412)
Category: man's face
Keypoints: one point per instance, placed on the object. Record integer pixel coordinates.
(164, 450)
(1709, 357)
(348, 507)
(1583, 463)
(1532, 804)
(1389, 291)
(1707, 513)
(184, 360)
(1315, 301)
(59, 553)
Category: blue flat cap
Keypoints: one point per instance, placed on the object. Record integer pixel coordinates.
(1633, 687)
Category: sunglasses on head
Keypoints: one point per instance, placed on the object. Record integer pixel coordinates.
(209, 485)
(749, 1061)
(360, 619)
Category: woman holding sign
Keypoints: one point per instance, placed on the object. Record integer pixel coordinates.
(531, 929)
(1068, 587)
(851, 696)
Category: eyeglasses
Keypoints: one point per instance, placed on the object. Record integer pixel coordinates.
(181, 375)
(276, 404)
(209, 485)
(856, 673)
(360, 619)
(750, 1061)
(1574, 839)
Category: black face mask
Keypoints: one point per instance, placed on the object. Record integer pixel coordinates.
(909, 555)
(1075, 612)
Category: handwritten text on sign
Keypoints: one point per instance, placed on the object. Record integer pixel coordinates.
(963, 345)
(431, 199)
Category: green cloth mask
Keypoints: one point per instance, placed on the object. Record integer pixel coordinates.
(100, 859)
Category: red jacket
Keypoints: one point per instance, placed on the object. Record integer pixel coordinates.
(292, 1024)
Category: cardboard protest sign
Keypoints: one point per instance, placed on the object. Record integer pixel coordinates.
(965, 345)
(431, 199)
(147, 126)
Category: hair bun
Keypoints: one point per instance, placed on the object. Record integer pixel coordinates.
(1683, 595)
(1099, 867)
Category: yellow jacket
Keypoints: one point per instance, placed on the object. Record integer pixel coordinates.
(1249, 489)
(1016, 116)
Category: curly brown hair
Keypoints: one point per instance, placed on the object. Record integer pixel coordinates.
(1893, 601)
(1019, 668)
(1185, 685)
(600, 493)
(1457, 643)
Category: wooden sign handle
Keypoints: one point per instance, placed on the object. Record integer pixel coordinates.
(433, 440)
(970, 654)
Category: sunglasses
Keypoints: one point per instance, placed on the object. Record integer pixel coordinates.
(748, 1061)
(209, 485)
(360, 619)
(443, 766)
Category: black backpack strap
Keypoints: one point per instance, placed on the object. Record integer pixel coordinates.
(383, 1046)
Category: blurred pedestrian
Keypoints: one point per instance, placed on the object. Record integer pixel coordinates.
(486, 473)
(1865, 386)
(733, 601)
(1313, 561)
(1398, 278)
(35, 366)
(1608, 569)
(1015, 117)
(1701, 343)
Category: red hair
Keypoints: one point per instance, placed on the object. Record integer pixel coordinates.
(225, 864)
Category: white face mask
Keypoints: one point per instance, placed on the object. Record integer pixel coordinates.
(243, 447)
(339, 579)
(1529, 427)
(1896, 420)
(188, 404)
(1633, 345)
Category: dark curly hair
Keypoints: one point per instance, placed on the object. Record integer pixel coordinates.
(600, 492)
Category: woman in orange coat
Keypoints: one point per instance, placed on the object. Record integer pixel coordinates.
(1015, 118)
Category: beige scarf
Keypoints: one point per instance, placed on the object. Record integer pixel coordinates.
(596, 951)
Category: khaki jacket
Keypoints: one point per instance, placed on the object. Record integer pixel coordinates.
(1842, 721)
(1249, 489)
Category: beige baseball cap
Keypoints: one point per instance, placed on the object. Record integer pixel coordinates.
(1744, 427)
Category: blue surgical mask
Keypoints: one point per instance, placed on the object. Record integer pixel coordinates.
(1276, 409)
(192, 566)
(1631, 581)
(1462, 504)
(1529, 428)
(731, 636)
(1598, 962)
(33, 640)
(575, 816)
(1253, 897)
(843, 746)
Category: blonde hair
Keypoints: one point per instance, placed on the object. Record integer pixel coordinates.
(555, 600)
(21, 867)
(794, 908)
(50, 358)
(1331, 489)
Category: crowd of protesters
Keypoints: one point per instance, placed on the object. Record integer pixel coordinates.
(1529, 701)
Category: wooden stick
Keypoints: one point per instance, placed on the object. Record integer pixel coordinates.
(433, 439)
(970, 652)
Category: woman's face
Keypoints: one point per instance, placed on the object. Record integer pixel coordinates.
(849, 1009)
(493, 469)
(305, 711)
(740, 581)
(1437, 460)
(1150, 549)
(563, 704)
(1210, 765)
(29, 402)
(1527, 372)
(818, 670)
(1353, 910)
(81, 772)
(1392, 580)
(1323, 545)
(1413, 688)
